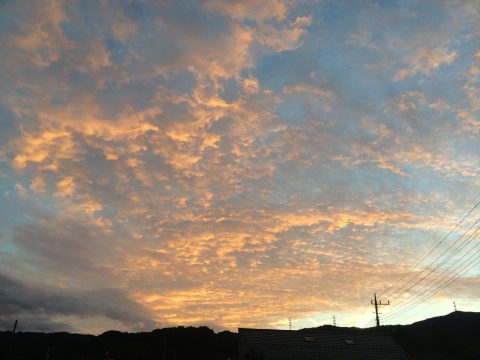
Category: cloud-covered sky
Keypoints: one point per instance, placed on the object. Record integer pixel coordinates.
(230, 163)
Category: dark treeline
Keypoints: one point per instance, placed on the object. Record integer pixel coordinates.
(454, 336)
(180, 343)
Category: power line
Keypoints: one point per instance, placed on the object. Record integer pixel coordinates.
(428, 291)
(465, 243)
(363, 312)
(434, 261)
(431, 250)
(459, 248)
(404, 311)
(396, 308)
(445, 274)
(470, 266)
(463, 268)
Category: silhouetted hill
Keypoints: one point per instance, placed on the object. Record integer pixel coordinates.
(455, 321)
(453, 336)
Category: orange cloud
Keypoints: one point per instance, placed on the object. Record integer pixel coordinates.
(424, 60)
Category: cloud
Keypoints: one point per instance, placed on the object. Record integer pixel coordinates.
(273, 28)
(424, 60)
(361, 37)
(254, 9)
(472, 89)
(64, 247)
(283, 39)
(47, 302)
(226, 158)
(300, 88)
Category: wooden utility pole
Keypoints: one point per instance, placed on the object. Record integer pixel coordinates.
(377, 304)
(15, 326)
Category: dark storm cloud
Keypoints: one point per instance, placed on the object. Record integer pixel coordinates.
(20, 299)
(29, 322)
(66, 245)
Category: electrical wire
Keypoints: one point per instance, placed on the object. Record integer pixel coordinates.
(426, 293)
(434, 261)
(460, 247)
(459, 271)
(466, 269)
(386, 292)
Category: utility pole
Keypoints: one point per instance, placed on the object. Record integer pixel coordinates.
(15, 326)
(289, 323)
(377, 304)
(334, 321)
(454, 306)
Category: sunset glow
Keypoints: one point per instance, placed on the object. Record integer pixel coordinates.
(231, 163)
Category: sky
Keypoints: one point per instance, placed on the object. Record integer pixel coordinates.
(232, 163)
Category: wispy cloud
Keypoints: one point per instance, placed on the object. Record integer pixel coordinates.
(425, 60)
